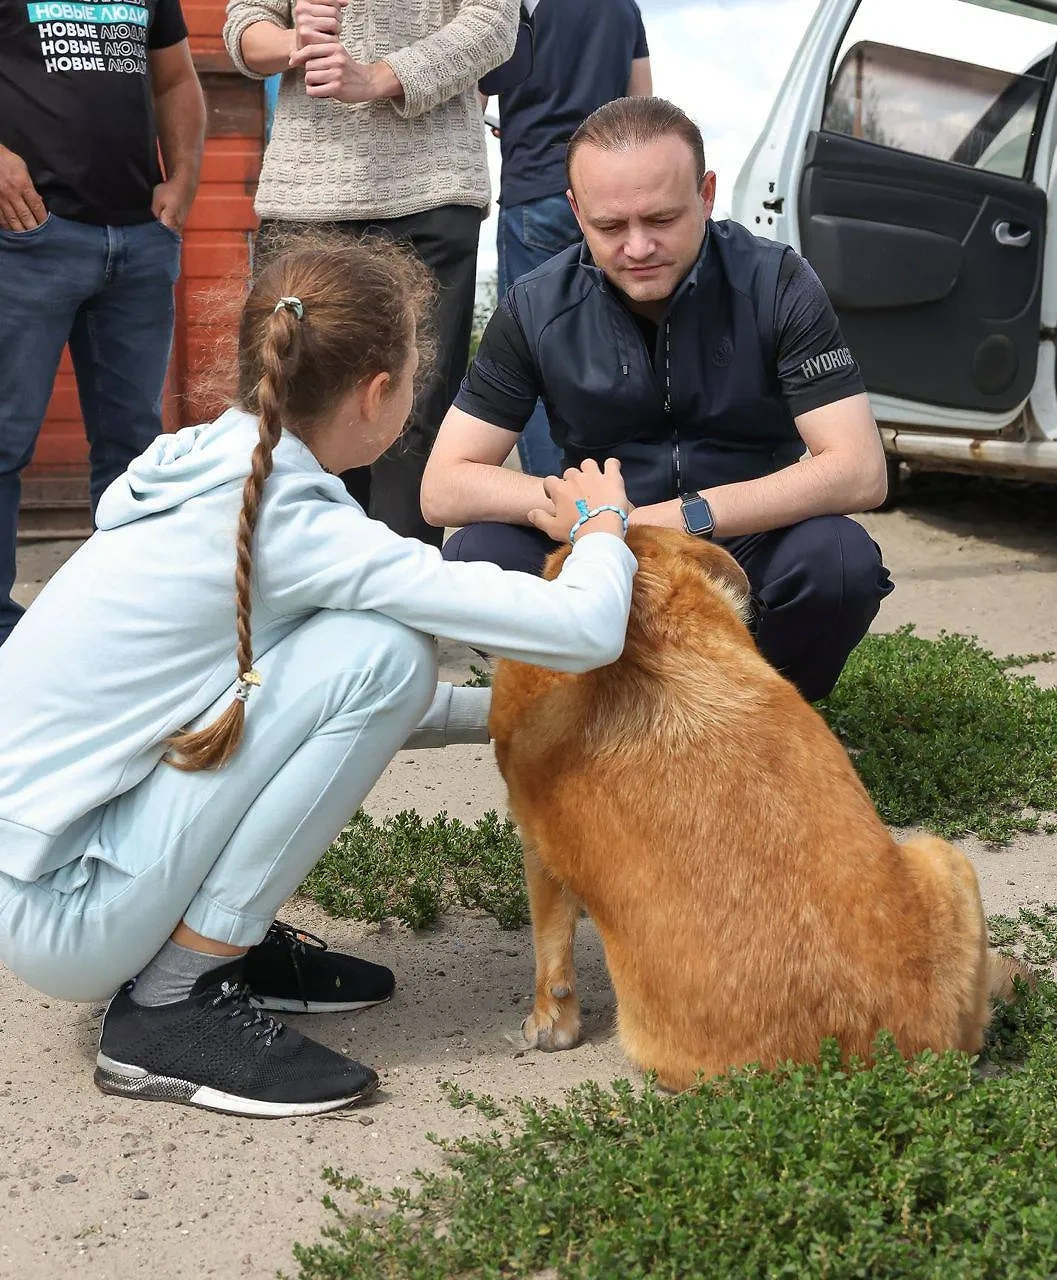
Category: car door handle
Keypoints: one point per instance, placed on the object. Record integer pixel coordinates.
(1004, 235)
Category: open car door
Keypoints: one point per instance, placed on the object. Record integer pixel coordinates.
(907, 157)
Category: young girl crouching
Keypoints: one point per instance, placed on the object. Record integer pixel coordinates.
(168, 778)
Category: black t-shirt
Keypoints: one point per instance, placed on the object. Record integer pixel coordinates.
(76, 102)
(584, 51)
(814, 366)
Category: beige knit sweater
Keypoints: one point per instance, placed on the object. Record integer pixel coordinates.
(328, 160)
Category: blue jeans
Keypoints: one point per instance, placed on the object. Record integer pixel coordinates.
(528, 235)
(108, 292)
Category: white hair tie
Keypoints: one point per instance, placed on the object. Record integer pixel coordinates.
(291, 304)
(245, 683)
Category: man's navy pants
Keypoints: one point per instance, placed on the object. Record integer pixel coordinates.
(816, 587)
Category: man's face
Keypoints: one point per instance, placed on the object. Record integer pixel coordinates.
(643, 215)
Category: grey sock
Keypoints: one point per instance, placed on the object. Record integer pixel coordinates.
(172, 973)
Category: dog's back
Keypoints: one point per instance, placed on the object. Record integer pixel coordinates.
(750, 900)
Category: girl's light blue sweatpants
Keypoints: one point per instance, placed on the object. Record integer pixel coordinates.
(223, 850)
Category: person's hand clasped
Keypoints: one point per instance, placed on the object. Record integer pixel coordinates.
(332, 72)
(317, 22)
(593, 487)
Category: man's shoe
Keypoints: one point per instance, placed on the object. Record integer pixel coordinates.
(291, 971)
(215, 1050)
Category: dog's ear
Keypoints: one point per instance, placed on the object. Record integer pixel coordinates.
(724, 571)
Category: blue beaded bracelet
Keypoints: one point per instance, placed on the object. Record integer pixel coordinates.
(585, 515)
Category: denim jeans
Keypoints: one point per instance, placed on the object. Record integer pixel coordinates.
(108, 292)
(528, 235)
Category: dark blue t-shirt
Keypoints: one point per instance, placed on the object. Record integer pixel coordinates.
(584, 52)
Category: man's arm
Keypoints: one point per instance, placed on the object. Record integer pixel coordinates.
(465, 479)
(180, 109)
(425, 73)
(844, 473)
(640, 82)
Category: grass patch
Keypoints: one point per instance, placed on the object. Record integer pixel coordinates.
(480, 678)
(925, 1169)
(416, 870)
(1032, 931)
(945, 738)
(918, 1169)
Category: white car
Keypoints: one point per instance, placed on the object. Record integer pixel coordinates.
(909, 156)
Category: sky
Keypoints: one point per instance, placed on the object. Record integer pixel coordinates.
(723, 61)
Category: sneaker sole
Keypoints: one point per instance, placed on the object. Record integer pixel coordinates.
(126, 1081)
(274, 1005)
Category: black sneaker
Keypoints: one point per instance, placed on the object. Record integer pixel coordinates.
(215, 1050)
(293, 972)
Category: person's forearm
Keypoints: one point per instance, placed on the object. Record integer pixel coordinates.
(453, 58)
(472, 491)
(181, 116)
(386, 82)
(640, 82)
(829, 484)
(266, 48)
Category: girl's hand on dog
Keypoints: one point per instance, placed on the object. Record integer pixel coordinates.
(598, 487)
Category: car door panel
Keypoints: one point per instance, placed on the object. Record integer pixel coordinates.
(935, 270)
(874, 265)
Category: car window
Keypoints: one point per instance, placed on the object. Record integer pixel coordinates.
(922, 95)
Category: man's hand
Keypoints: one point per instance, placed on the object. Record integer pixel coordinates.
(171, 204)
(21, 208)
(332, 72)
(317, 22)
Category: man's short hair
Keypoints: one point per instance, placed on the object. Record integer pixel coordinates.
(627, 123)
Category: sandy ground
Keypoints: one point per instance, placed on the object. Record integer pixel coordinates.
(95, 1186)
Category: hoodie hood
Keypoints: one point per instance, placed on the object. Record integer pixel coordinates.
(194, 460)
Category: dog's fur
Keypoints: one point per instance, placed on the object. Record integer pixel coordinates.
(750, 900)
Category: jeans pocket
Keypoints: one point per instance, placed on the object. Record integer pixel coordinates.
(173, 235)
(25, 237)
(549, 225)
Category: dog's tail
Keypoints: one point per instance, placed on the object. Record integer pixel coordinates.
(1002, 970)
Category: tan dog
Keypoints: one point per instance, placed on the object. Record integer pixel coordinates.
(750, 900)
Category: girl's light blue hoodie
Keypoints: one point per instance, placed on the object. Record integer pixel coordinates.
(135, 636)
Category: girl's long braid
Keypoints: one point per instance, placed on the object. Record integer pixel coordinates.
(325, 313)
(268, 397)
(213, 746)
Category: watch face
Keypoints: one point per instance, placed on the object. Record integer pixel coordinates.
(697, 516)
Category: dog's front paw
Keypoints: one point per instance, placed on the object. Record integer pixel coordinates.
(554, 1023)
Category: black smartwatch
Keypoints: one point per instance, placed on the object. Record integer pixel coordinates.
(697, 515)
